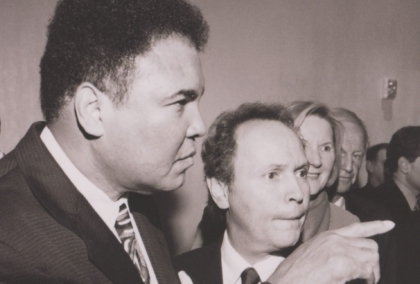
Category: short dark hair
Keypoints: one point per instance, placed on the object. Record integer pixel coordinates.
(220, 145)
(372, 152)
(219, 149)
(404, 143)
(346, 115)
(97, 41)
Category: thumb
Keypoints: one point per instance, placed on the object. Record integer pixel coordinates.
(366, 229)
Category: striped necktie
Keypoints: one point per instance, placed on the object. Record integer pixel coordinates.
(128, 239)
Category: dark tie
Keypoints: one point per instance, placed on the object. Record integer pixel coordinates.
(250, 276)
(128, 239)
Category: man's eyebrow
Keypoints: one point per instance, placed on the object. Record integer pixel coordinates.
(189, 94)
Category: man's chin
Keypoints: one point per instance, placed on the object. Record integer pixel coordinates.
(174, 184)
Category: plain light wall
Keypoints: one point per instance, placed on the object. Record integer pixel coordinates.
(335, 51)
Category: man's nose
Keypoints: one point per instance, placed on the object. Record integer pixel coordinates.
(295, 191)
(346, 163)
(197, 126)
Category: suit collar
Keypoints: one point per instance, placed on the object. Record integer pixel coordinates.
(62, 200)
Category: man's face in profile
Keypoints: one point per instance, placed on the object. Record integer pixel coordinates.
(352, 151)
(150, 138)
(376, 167)
(269, 196)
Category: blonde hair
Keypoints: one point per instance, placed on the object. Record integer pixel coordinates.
(300, 110)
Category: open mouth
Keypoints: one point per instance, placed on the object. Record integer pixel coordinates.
(313, 175)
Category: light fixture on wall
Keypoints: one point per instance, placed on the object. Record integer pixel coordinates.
(389, 93)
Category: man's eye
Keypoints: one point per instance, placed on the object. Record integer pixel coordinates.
(357, 156)
(302, 173)
(272, 175)
(182, 102)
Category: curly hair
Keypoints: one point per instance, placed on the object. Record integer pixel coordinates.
(404, 143)
(301, 110)
(218, 153)
(97, 41)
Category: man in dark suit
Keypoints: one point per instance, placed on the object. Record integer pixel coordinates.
(120, 85)
(354, 143)
(401, 189)
(255, 169)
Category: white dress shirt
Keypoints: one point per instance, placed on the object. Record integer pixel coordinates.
(233, 264)
(106, 208)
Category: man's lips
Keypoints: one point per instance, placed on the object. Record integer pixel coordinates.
(192, 154)
(296, 216)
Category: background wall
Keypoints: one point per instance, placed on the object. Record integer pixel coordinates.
(333, 51)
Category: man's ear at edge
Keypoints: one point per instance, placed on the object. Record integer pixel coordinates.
(89, 103)
(219, 192)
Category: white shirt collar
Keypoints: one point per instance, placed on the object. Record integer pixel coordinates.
(101, 203)
(341, 202)
(233, 264)
(409, 195)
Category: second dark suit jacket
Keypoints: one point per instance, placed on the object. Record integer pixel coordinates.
(50, 233)
(408, 240)
(367, 210)
(390, 196)
(202, 265)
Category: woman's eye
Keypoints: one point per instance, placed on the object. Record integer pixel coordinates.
(326, 148)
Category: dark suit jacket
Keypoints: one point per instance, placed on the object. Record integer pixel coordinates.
(203, 265)
(367, 210)
(50, 233)
(390, 196)
(408, 236)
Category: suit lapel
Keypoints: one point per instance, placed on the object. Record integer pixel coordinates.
(209, 271)
(64, 202)
(156, 250)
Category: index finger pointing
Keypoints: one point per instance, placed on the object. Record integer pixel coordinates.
(366, 229)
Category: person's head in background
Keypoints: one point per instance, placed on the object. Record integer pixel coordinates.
(402, 158)
(255, 169)
(354, 141)
(321, 139)
(375, 158)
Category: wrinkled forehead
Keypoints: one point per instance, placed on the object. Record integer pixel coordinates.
(269, 142)
(353, 134)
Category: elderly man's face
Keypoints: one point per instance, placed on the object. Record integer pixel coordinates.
(352, 151)
(269, 195)
(150, 138)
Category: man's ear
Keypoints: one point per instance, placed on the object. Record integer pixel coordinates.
(404, 165)
(369, 166)
(87, 105)
(219, 192)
